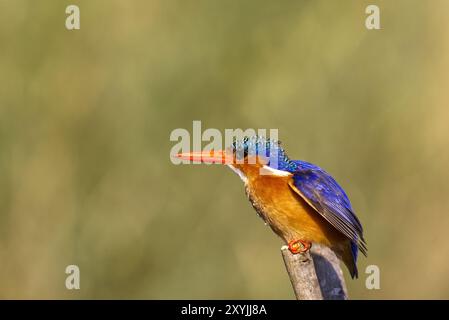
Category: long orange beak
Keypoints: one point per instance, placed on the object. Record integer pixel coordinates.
(213, 156)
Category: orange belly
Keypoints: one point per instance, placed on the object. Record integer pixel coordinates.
(288, 214)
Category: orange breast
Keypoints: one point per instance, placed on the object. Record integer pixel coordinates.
(287, 213)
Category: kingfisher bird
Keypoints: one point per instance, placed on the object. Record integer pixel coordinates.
(301, 202)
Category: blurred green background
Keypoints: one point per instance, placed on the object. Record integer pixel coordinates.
(86, 115)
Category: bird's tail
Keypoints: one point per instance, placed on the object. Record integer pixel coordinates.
(349, 257)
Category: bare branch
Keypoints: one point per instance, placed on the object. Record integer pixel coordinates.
(315, 275)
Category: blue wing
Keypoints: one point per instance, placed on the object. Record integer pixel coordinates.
(324, 194)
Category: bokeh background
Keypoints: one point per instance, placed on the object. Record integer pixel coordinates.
(86, 115)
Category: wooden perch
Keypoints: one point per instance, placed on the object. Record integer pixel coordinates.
(315, 275)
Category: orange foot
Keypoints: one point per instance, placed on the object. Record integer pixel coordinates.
(299, 246)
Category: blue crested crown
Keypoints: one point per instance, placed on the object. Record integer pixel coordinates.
(263, 147)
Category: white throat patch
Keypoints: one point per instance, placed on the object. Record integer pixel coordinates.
(265, 171)
(268, 171)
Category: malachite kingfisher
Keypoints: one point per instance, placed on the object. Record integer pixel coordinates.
(300, 201)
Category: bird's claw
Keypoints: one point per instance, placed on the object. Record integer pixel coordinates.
(299, 246)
